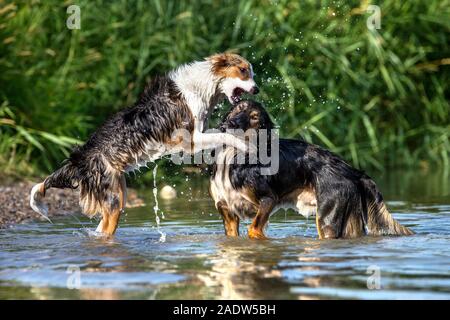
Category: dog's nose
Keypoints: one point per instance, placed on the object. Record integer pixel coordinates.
(254, 90)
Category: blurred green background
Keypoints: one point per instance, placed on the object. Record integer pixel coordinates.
(379, 98)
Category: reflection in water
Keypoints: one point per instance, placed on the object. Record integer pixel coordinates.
(239, 272)
(197, 261)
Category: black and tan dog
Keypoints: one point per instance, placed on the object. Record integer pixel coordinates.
(182, 100)
(310, 179)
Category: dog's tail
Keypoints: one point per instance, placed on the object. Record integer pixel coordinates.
(64, 177)
(377, 218)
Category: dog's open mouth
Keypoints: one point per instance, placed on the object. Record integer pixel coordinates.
(236, 95)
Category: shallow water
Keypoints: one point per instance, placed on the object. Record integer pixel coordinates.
(39, 260)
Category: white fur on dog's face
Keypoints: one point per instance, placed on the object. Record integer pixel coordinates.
(236, 75)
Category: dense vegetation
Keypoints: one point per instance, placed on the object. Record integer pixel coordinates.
(379, 98)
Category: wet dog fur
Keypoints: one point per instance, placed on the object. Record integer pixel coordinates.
(180, 100)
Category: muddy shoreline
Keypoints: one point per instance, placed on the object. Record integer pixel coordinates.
(15, 203)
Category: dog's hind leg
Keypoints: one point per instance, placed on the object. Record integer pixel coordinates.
(230, 221)
(256, 229)
(203, 141)
(339, 222)
(329, 218)
(112, 208)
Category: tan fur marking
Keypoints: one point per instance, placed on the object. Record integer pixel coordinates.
(256, 233)
(254, 114)
(256, 229)
(230, 65)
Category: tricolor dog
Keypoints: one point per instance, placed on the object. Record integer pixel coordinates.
(180, 100)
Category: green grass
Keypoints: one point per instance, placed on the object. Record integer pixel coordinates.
(378, 98)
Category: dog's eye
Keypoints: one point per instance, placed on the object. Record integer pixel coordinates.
(243, 70)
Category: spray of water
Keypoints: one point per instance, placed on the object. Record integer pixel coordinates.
(162, 234)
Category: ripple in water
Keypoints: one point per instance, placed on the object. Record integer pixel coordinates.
(196, 260)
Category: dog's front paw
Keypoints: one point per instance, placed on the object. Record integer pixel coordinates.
(254, 233)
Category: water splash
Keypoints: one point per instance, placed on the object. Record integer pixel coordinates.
(162, 234)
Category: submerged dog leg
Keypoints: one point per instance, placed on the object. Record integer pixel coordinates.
(256, 229)
(319, 227)
(230, 221)
(100, 226)
(326, 230)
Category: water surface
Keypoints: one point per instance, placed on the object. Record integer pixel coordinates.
(39, 260)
